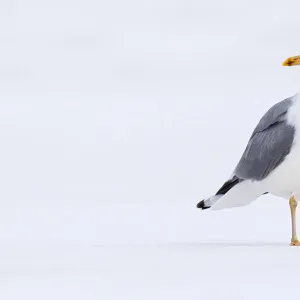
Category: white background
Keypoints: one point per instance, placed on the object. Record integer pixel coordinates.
(116, 118)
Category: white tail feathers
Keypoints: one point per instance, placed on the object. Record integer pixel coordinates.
(240, 195)
(208, 202)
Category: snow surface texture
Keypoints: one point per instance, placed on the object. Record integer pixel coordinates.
(116, 118)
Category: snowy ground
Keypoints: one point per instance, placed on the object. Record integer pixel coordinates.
(150, 253)
(171, 271)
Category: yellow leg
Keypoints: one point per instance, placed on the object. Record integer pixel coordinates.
(293, 206)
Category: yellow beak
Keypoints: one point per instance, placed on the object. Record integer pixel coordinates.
(292, 61)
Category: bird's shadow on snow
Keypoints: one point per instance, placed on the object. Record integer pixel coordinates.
(223, 244)
(202, 244)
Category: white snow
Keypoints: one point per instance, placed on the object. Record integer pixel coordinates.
(177, 271)
(150, 252)
(116, 118)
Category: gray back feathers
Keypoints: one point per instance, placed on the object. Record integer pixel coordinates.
(269, 144)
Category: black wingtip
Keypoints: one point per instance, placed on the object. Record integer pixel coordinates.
(201, 205)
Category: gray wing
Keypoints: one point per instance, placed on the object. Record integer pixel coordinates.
(269, 144)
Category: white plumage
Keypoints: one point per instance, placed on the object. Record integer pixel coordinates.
(270, 162)
(283, 181)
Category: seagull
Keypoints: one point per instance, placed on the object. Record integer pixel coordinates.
(270, 163)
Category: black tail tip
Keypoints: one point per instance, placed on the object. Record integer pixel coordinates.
(201, 205)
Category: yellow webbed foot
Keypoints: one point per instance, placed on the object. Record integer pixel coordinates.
(295, 242)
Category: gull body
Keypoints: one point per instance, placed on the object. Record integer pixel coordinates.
(270, 162)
